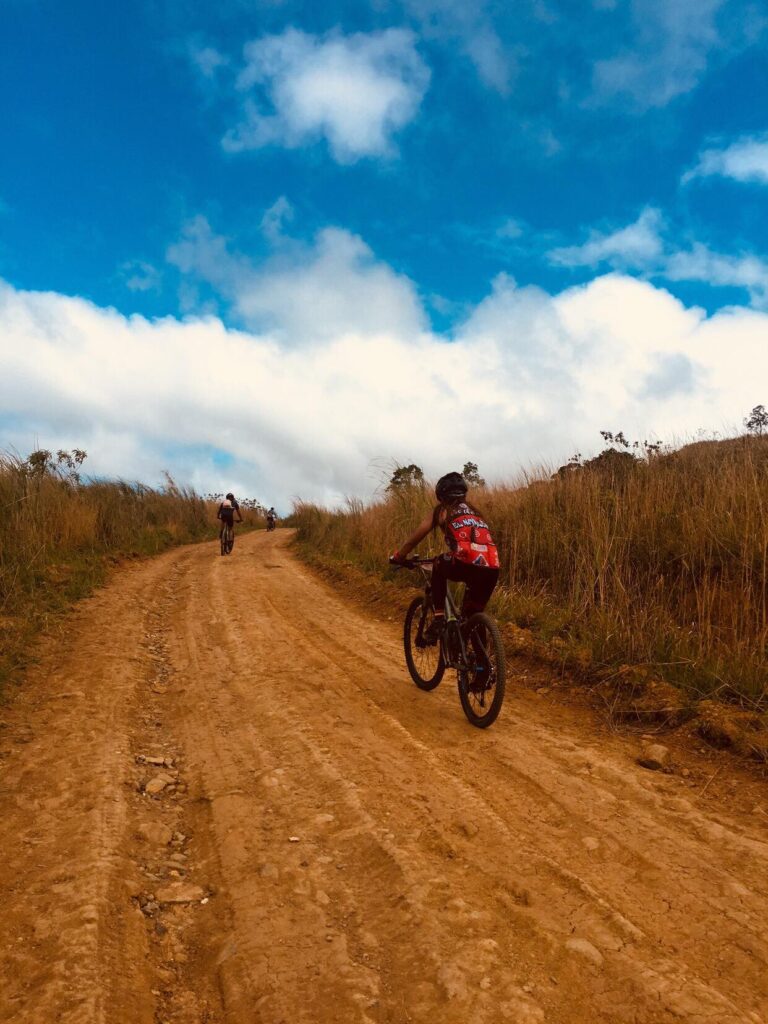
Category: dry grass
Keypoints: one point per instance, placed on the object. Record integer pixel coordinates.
(659, 563)
(58, 536)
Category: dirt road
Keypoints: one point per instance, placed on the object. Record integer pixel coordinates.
(329, 844)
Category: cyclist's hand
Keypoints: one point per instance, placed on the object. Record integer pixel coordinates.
(397, 559)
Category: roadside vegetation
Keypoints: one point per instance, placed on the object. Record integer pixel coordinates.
(59, 534)
(643, 556)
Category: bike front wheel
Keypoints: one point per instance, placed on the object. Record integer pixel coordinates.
(482, 680)
(425, 662)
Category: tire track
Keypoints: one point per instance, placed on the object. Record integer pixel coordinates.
(359, 853)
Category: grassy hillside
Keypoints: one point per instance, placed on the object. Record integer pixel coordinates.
(657, 560)
(59, 534)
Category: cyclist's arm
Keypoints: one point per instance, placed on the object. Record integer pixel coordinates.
(425, 527)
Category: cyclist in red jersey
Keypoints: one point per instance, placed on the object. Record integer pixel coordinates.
(472, 557)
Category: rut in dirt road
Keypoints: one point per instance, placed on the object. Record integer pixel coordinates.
(223, 800)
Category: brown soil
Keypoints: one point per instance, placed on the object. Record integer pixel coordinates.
(332, 844)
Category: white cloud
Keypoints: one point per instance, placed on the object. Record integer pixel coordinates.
(673, 42)
(638, 244)
(510, 228)
(305, 293)
(354, 91)
(276, 217)
(208, 60)
(472, 26)
(700, 263)
(140, 276)
(527, 376)
(642, 247)
(745, 160)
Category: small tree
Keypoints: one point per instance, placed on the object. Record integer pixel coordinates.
(757, 421)
(69, 463)
(40, 462)
(405, 477)
(66, 465)
(614, 439)
(472, 475)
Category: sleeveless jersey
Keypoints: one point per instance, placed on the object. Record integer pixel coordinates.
(227, 510)
(469, 537)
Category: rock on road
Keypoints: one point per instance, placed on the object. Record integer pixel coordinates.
(222, 800)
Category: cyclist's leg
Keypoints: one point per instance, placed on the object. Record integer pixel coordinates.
(439, 585)
(481, 582)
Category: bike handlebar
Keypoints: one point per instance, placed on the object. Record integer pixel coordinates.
(410, 563)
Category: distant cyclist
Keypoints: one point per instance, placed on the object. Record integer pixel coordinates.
(271, 519)
(472, 556)
(226, 513)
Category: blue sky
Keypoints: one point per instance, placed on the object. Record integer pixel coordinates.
(447, 178)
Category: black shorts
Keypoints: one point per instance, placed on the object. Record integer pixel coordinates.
(481, 581)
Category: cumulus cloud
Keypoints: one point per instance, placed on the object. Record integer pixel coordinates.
(527, 375)
(674, 374)
(642, 247)
(304, 292)
(744, 160)
(355, 91)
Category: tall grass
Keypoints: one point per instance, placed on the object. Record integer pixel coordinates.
(57, 536)
(660, 562)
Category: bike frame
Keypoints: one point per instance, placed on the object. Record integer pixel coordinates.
(453, 619)
(227, 534)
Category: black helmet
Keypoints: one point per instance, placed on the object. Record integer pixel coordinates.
(230, 497)
(452, 485)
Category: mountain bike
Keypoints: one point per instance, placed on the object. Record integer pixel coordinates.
(471, 646)
(227, 539)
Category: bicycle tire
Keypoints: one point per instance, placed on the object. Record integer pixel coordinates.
(415, 657)
(473, 701)
(223, 541)
(230, 539)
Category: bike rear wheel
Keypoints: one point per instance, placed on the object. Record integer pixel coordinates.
(425, 664)
(483, 680)
(230, 539)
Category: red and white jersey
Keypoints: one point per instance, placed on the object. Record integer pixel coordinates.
(468, 536)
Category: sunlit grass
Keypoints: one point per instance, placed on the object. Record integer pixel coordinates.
(59, 534)
(660, 561)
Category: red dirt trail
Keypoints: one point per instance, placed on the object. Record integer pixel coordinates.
(332, 844)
